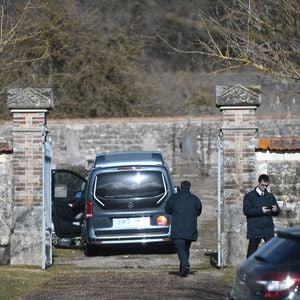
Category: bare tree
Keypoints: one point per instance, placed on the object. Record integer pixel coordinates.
(264, 34)
(18, 33)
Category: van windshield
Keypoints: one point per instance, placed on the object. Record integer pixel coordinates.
(129, 184)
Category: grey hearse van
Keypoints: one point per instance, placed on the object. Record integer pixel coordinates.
(125, 196)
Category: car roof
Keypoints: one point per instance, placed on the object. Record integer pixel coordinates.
(133, 158)
(293, 231)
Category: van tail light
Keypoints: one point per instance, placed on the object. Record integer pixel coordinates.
(161, 220)
(278, 284)
(88, 209)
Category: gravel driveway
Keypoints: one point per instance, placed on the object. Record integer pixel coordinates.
(137, 273)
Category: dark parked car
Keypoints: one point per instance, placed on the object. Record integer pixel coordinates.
(273, 271)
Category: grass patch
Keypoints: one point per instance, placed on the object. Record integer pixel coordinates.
(18, 281)
(66, 253)
(228, 275)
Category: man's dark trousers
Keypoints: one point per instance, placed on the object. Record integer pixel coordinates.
(254, 243)
(183, 251)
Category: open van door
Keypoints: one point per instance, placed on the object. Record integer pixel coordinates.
(67, 192)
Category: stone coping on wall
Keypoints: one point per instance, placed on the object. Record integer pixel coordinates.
(179, 118)
(190, 119)
(288, 143)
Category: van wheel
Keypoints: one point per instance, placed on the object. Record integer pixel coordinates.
(90, 250)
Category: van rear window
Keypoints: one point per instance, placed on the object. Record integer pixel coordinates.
(129, 184)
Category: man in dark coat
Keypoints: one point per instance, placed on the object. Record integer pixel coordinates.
(260, 206)
(184, 208)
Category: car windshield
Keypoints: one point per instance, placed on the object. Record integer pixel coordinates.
(129, 184)
(287, 251)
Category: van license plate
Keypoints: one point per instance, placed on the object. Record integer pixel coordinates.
(131, 222)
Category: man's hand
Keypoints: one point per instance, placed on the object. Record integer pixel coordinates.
(274, 208)
(267, 209)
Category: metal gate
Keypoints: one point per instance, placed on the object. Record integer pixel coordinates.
(47, 207)
(219, 200)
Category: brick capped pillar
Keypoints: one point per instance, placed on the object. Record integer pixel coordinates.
(238, 105)
(29, 108)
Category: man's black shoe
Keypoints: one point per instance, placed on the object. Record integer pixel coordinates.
(184, 271)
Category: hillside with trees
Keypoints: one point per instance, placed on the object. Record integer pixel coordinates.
(116, 58)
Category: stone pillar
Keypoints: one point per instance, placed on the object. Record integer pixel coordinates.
(29, 108)
(238, 131)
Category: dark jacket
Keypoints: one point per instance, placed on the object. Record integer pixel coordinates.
(259, 224)
(184, 208)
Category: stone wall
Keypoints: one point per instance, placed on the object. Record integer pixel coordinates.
(188, 145)
(284, 170)
(281, 125)
(74, 141)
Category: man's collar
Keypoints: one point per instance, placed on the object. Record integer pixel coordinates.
(259, 191)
